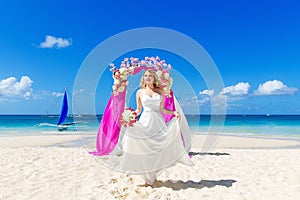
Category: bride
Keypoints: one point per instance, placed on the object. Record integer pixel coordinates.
(152, 145)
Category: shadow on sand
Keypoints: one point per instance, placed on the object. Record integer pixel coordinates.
(206, 153)
(179, 185)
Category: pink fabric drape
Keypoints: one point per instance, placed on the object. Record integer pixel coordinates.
(109, 129)
(169, 104)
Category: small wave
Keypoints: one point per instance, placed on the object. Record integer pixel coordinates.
(47, 124)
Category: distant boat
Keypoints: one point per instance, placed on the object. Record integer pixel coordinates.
(61, 126)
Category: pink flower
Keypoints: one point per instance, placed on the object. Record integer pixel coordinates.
(117, 74)
(124, 83)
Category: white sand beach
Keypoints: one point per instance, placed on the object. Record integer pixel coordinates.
(42, 167)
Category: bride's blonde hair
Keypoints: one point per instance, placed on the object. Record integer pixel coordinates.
(156, 82)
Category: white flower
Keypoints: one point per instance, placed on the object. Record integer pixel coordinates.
(121, 88)
(167, 75)
(158, 73)
(131, 69)
(116, 82)
(126, 116)
(123, 77)
(123, 70)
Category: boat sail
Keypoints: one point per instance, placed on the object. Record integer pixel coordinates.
(63, 114)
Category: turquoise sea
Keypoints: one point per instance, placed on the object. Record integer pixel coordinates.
(279, 125)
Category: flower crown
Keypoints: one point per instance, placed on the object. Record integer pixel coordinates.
(134, 66)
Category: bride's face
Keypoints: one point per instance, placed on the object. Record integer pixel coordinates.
(148, 78)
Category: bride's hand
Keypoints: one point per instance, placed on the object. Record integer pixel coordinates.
(177, 115)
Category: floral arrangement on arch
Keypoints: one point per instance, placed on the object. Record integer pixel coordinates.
(128, 117)
(129, 67)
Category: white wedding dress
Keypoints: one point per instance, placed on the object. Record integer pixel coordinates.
(152, 145)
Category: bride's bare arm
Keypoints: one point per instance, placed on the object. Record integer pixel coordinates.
(138, 103)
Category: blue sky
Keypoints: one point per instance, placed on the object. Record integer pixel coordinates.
(255, 45)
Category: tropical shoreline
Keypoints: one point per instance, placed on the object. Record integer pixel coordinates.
(224, 140)
(60, 167)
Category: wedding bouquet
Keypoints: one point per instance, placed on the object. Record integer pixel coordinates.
(128, 117)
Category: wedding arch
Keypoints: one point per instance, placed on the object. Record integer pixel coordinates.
(110, 125)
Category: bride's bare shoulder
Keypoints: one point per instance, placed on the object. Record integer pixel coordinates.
(138, 93)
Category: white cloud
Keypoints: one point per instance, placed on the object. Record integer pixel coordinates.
(57, 94)
(274, 87)
(10, 87)
(45, 93)
(200, 101)
(203, 101)
(78, 91)
(240, 89)
(194, 100)
(203, 98)
(51, 42)
(207, 92)
(42, 94)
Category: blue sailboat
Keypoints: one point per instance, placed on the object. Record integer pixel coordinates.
(63, 115)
